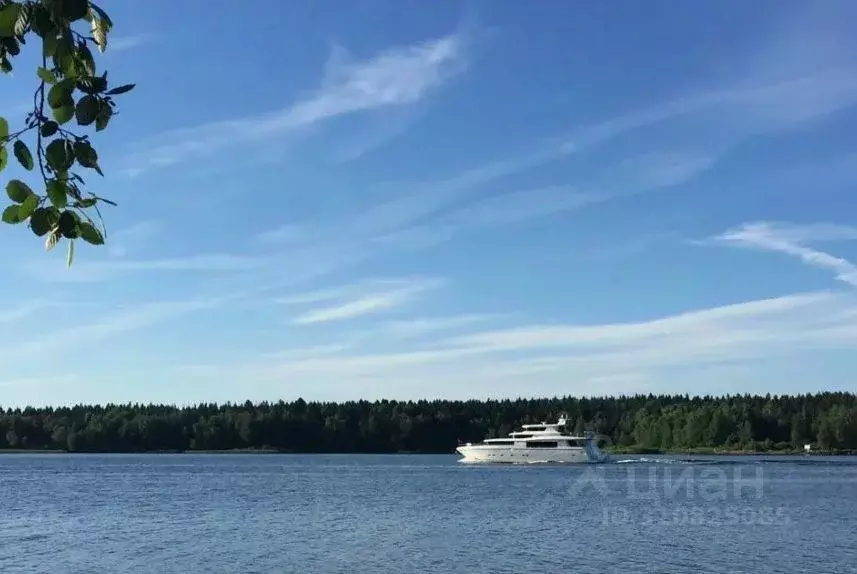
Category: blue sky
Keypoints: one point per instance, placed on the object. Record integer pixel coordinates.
(482, 199)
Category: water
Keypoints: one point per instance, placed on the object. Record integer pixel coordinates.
(344, 513)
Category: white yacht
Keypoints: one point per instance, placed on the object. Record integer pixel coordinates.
(535, 443)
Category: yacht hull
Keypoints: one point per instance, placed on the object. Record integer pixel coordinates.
(522, 455)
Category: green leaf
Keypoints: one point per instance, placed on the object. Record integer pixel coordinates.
(60, 155)
(86, 202)
(91, 234)
(23, 20)
(22, 152)
(63, 114)
(51, 240)
(86, 154)
(69, 224)
(4, 128)
(69, 258)
(92, 84)
(12, 215)
(102, 15)
(74, 9)
(27, 208)
(4, 157)
(9, 18)
(41, 23)
(103, 118)
(84, 55)
(10, 45)
(18, 191)
(49, 44)
(43, 220)
(57, 194)
(59, 95)
(47, 76)
(99, 29)
(87, 110)
(49, 128)
(121, 90)
(64, 55)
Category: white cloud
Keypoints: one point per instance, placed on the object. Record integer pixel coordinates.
(393, 78)
(369, 303)
(539, 359)
(131, 318)
(711, 321)
(375, 134)
(654, 170)
(419, 327)
(287, 233)
(132, 237)
(350, 290)
(791, 240)
(356, 308)
(39, 381)
(411, 219)
(25, 309)
(520, 206)
(84, 271)
(396, 77)
(306, 352)
(749, 109)
(424, 215)
(122, 43)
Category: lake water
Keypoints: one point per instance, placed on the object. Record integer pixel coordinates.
(413, 513)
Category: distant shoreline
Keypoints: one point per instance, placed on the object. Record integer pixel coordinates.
(619, 451)
(709, 451)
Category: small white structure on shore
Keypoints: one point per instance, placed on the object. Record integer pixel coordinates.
(807, 447)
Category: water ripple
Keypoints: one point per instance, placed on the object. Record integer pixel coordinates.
(271, 513)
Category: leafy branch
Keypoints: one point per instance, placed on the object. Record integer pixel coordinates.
(69, 89)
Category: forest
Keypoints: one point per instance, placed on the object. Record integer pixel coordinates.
(649, 422)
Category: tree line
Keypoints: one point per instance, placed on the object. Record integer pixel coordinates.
(659, 422)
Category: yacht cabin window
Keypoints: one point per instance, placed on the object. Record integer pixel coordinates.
(541, 444)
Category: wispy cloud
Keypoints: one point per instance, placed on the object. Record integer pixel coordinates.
(25, 309)
(792, 240)
(412, 217)
(375, 134)
(122, 43)
(40, 381)
(748, 109)
(419, 327)
(350, 290)
(710, 320)
(568, 358)
(520, 206)
(419, 220)
(84, 271)
(734, 114)
(393, 78)
(396, 77)
(369, 303)
(415, 217)
(286, 233)
(306, 352)
(132, 237)
(434, 213)
(125, 319)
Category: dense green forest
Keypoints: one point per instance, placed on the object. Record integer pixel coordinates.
(828, 420)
